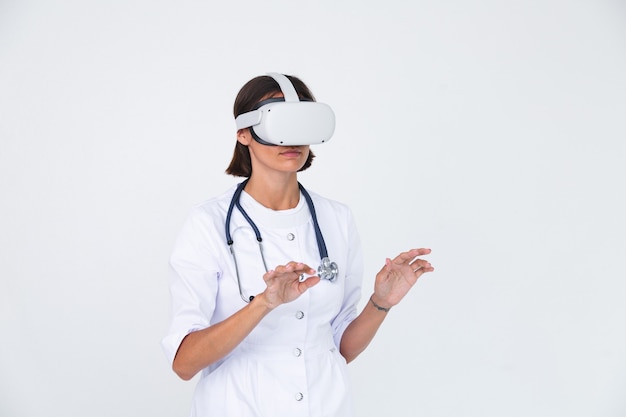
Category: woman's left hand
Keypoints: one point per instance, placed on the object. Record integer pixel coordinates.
(397, 277)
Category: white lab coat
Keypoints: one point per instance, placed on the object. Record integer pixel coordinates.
(290, 363)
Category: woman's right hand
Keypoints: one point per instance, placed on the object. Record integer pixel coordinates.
(202, 348)
(284, 285)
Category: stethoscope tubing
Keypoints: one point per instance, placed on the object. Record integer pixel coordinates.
(327, 270)
(235, 201)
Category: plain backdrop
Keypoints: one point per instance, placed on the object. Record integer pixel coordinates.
(490, 131)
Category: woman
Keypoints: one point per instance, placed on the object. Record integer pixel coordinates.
(250, 312)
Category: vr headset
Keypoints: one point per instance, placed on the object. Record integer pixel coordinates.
(288, 121)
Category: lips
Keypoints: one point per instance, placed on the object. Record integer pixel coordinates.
(291, 153)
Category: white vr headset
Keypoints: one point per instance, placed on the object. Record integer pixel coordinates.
(288, 121)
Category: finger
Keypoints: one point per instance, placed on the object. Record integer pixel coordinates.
(305, 269)
(298, 267)
(287, 268)
(423, 269)
(291, 266)
(408, 256)
(390, 265)
(418, 264)
(308, 283)
(269, 275)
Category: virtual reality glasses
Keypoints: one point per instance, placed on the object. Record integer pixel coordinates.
(288, 121)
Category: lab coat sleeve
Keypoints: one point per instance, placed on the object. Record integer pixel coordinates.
(194, 273)
(353, 281)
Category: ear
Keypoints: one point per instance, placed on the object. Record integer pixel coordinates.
(244, 137)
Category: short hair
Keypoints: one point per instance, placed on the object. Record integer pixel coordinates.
(248, 97)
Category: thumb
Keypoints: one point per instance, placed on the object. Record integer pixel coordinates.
(308, 283)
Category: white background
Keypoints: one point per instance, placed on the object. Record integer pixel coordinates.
(492, 132)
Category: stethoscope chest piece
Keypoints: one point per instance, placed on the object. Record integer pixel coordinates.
(327, 270)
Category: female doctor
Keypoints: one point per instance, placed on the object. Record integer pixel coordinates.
(269, 330)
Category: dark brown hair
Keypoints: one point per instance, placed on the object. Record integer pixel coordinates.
(250, 94)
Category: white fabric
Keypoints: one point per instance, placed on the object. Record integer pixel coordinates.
(290, 364)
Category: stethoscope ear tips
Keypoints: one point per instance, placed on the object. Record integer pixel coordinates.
(327, 270)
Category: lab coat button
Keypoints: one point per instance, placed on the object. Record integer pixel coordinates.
(299, 315)
(297, 352)
(299, 396)
(291, 236)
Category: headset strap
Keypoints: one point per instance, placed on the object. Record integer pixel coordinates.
(285, 86)
(253, 118)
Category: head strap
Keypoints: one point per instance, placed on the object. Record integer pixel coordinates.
(285, 86)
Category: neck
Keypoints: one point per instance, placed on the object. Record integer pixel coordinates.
(280, 193)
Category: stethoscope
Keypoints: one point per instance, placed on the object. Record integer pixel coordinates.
(327, 270)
